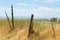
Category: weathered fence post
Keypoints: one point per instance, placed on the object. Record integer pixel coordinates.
(53, 29)
(12, 17)
(31, 26)
(8, 19)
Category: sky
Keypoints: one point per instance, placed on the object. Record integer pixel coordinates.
(24, 8)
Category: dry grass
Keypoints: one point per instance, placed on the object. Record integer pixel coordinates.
(43, 30)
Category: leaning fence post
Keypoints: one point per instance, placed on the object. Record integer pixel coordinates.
(31, 26)
(12, 17)
(8, 19)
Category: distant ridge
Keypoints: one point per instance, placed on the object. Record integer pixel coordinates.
(25, 17)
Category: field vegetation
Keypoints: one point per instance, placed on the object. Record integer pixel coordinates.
(42, 30)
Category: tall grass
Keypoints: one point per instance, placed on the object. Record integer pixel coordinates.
(52, 24)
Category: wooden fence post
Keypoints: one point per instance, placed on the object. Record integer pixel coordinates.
(12, 17)
(31, 26)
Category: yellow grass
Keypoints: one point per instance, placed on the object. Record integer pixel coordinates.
(43, 30)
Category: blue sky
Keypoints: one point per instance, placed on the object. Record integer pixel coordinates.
(24, 8)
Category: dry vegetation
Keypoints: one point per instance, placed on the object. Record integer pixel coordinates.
(43, 30)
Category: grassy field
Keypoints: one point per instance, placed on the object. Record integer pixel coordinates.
(43, 30)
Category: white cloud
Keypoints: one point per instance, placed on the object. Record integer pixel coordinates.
(41, 11)
(25, 4)
(22, 4)
(45, 8)
(47, 1)
(47, 12)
